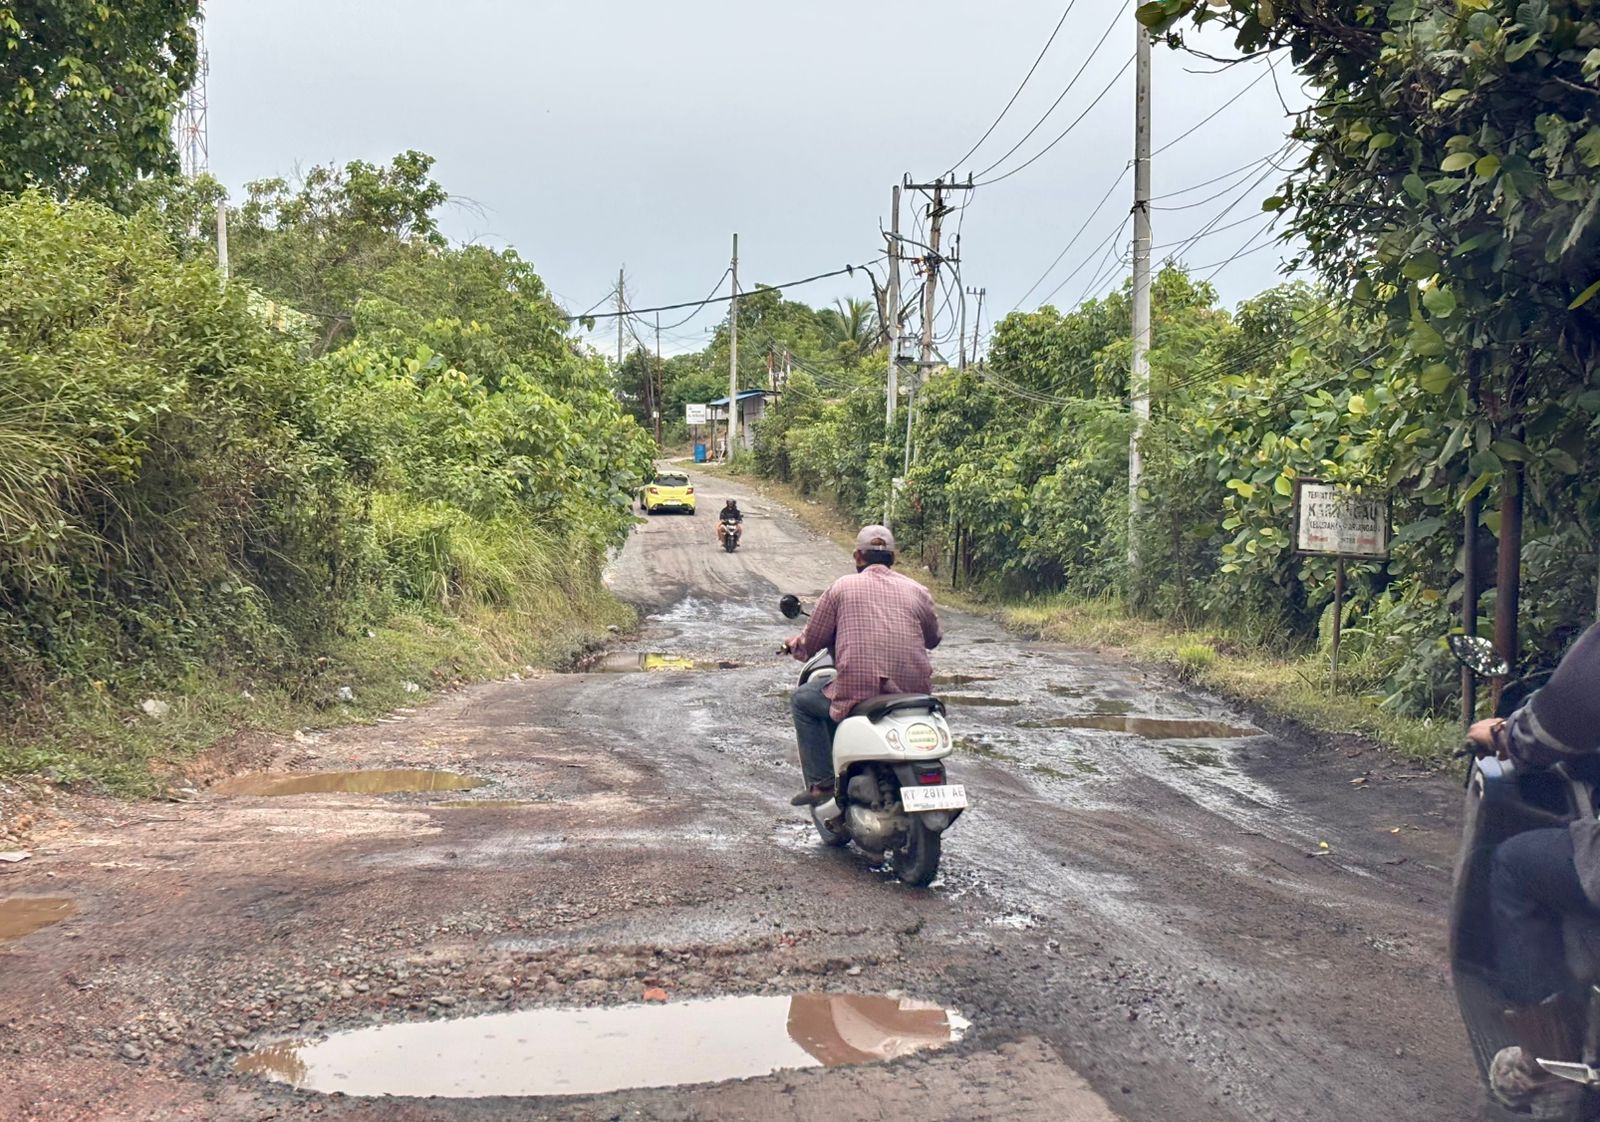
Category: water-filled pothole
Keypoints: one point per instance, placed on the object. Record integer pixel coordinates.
(375, 781)
(960, 680)
(592, 1051)
(23, 915)
(634, 662)
(977, 700)
(1151, 728)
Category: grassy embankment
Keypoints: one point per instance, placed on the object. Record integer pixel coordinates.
(1292, 687)
(98, 734)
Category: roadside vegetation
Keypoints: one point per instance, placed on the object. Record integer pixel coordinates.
(369, 462)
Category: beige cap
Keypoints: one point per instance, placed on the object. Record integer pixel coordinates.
(875, 538)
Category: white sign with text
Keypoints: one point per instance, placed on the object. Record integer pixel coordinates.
(1336, 522)
(694, 414)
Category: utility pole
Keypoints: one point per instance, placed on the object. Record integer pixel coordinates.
(892, 309)
(1139, 378)
(977, 323)
(733, 354)
(619, 322)
(661, 381)
(222, 238)
(930, 283)
(961, 336)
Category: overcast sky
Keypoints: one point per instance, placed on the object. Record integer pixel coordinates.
(615, 133)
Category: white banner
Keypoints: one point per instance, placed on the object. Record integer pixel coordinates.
(694, 414)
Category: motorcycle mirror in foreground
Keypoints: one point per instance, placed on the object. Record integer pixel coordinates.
(1479, 656)
(790, 606)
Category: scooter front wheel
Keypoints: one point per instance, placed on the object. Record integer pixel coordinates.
(916, 861)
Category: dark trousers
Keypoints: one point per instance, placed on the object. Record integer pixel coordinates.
(813, 729)
(1533, 882)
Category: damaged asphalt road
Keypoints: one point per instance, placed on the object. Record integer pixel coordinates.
(1155, 910)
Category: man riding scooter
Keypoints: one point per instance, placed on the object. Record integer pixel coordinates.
(880, 626)
(1537, 877)
(730, 512)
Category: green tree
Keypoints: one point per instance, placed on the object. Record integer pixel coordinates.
(87, 92)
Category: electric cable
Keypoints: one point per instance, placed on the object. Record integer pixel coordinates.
(1025, 79)
(1217, 112)
(1115, 78)
(1093, 53)
(848, 269)
(1073, 241)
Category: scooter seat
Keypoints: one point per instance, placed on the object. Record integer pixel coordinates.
(877, 708)
(1581, 936)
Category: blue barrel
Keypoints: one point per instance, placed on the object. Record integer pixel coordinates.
(699, 453)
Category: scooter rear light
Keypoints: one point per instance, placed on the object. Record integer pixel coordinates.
(930, 777)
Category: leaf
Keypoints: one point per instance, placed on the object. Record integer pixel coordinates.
(1520, 48)
(1358, 405)
(1247, 490)
(1475, 489)
(1421, 267)
(1415, 187)
(1511, 451)
(1450, 97)
(1584, 297)
(1439, 301)
(1437, 379)
(1588, 147)
(1272, 202)
(1283, 486)
(1486, 167)
(1380, 141)
(1457, 161)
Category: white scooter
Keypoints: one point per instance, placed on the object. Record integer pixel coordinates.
(891, 794)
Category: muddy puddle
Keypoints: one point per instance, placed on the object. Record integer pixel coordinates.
(1151, 728)
(23, 915)
(980, 700)
(592, 1051)
(633, 662)
(375, 781)
(959, 681)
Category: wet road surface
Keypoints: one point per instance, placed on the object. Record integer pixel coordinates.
(1156, 909)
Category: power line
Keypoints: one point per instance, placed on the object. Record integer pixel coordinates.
(709, 299)
(1217, 112)
(1086, 224)
(1115, 78)
(848, 269)
(1093, 53)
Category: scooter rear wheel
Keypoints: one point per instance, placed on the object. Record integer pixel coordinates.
(916, 861)
(830, 836)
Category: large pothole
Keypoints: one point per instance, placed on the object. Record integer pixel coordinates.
(587, 1051)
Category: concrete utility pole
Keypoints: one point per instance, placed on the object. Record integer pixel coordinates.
(891, 325)
(961, 336)
(930, 283)
(661, 382)
(619, 321)
(222, 238)
(977, 322)
(733, 354)
(1139, 378)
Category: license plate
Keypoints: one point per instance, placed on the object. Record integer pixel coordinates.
(948, 796)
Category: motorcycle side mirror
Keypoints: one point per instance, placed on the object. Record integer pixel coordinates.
(1478, 655)
(790, 606)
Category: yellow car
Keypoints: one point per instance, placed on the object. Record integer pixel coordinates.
(669, 491)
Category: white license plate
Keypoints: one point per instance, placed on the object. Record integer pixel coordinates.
(949, 796)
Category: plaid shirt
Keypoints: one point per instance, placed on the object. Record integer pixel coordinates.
(881, 626)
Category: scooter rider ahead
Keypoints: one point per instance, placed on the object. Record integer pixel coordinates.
(730, 512)
(880, 626)
(1538, 876)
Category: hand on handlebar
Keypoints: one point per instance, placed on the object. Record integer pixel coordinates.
(1486, 738)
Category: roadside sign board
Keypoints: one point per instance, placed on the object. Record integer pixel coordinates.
(1333, 521)
(694, 414)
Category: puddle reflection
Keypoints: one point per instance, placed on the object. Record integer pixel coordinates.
(592, 1051)
(23, 915)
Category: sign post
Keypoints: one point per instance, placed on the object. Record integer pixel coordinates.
(1334, 521)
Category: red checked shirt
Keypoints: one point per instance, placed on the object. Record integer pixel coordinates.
(881, 626)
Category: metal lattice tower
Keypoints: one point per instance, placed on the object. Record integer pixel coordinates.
(189, 126)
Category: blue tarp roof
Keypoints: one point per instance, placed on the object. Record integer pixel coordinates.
(744, 395)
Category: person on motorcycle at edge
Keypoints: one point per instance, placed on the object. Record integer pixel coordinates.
(1539, 876)
(730, 512)
(881, 626)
